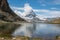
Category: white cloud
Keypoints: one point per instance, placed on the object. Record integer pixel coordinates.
(41, 10)
(56, 1)
(55, 12)
(54, 8)
(52, 2)
(17, 8)
(27, 9)
(48, 13)
(43, 5)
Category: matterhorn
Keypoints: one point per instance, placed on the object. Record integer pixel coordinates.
(29, 15)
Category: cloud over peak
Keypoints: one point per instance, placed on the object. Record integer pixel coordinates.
(27, 7)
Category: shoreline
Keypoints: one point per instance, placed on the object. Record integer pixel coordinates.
(27, 38)
(19, 22)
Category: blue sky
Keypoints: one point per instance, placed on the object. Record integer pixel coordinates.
(44, 8)
(36, 4)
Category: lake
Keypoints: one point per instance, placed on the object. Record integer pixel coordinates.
(37, 30)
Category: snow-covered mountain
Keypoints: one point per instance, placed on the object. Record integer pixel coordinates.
(28, 14)
(31, 14)
(32, 17)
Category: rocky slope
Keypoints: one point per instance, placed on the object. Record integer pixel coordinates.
(6, 13)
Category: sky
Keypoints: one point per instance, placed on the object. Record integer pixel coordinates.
(43, 8)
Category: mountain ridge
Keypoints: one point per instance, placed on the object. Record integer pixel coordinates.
(6, 14)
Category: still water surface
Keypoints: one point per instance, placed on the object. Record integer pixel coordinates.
(37, 30)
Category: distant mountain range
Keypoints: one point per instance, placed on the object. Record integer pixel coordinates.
(6, 14)
(53, 20)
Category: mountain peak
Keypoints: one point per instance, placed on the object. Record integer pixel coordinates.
(31, 14)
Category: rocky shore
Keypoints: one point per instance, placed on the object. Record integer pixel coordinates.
(26, 38)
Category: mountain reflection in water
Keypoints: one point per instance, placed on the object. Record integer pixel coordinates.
(38, 30)
(25, 30)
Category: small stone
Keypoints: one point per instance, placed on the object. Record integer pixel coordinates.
(13, 38)
(2, 38)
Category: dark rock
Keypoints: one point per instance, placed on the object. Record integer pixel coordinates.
(6, 13)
